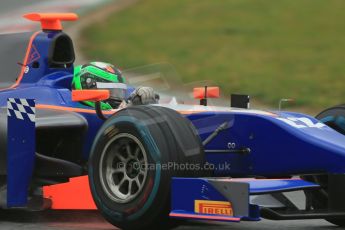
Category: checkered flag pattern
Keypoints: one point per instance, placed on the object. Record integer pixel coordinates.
(22, 109)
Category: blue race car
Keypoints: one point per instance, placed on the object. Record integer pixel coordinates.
(149, 165)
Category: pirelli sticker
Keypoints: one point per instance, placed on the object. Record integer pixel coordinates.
(213, 207)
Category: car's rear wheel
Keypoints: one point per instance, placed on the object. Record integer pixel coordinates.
(334, 117)
(130, 165)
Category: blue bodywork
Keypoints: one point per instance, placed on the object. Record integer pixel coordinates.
(279, 143)
(283, 143)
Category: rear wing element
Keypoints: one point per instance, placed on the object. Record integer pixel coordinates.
(21, 145)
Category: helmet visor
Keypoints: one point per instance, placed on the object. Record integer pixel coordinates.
(117, 90)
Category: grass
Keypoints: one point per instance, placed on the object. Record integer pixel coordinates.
(267, 48)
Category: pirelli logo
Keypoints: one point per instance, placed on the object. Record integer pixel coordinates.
(213, 207)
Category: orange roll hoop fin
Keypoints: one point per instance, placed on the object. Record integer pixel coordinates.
(51, 21)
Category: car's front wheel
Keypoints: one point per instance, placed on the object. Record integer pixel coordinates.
(130, 166)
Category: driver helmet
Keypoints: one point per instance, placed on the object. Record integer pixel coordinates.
(101, 75)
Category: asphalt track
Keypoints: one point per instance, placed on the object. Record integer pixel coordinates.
(10, 21)
(91, 220)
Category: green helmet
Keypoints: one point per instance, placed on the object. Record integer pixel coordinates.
(100, 75)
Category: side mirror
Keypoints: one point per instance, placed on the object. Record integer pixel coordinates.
(96, 96)
(203, 93)
(90, 95)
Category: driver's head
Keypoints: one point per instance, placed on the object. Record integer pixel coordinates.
(100, 75)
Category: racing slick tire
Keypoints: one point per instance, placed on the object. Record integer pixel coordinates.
(152, 138)
(333, 117)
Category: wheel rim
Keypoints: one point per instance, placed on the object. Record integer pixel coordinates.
(123, 168)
